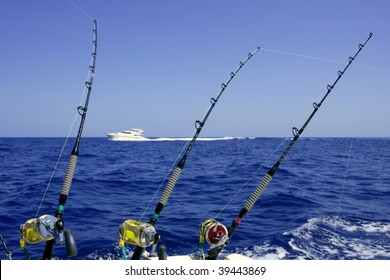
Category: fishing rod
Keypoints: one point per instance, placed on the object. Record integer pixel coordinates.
(143, 234)
(216, 233)
(7, 252)
(47, 227)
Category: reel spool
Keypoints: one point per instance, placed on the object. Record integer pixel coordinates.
(46, 228)
(137, 233)
(213, 232)
(39, 229)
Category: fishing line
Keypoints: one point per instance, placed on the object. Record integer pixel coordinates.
(377, 68)
(65, 142)
(362, 82)
(166, 176)
(250, 179)
(369, 51)
(80, 9)
(56, 165)
(324, 59)
(305, 56)
(345, 178)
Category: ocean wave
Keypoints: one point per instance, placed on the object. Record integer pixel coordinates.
(341, 238)
(326, 238)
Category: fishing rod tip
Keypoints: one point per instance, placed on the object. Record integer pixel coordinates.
(255, 51)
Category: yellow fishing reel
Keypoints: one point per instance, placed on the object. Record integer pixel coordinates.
(46, 228)
(136, 233)
(37, 230)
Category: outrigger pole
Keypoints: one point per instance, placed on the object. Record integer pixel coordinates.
(47, 227)
(214, 252)
(126, 229)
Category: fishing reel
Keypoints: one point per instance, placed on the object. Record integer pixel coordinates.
(47, 228)
(214, 233)
(136, 233)
(40, 229)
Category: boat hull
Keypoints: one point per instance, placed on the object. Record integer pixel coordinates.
(135, 134)
(125, 138)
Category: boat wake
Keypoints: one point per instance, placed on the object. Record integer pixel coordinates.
(199, 139)
(328, 238)
(182, 139)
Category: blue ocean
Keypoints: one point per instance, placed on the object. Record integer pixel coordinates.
(329, 200)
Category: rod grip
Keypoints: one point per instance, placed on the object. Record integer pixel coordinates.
(171, 184)
(256, 194)
(69, 175)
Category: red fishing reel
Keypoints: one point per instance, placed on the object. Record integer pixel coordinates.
(213, 232)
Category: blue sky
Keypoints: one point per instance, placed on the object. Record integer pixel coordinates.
(160, 62)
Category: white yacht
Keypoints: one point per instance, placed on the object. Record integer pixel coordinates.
(135, 134)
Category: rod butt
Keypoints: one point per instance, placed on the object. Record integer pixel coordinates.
(71, 247)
